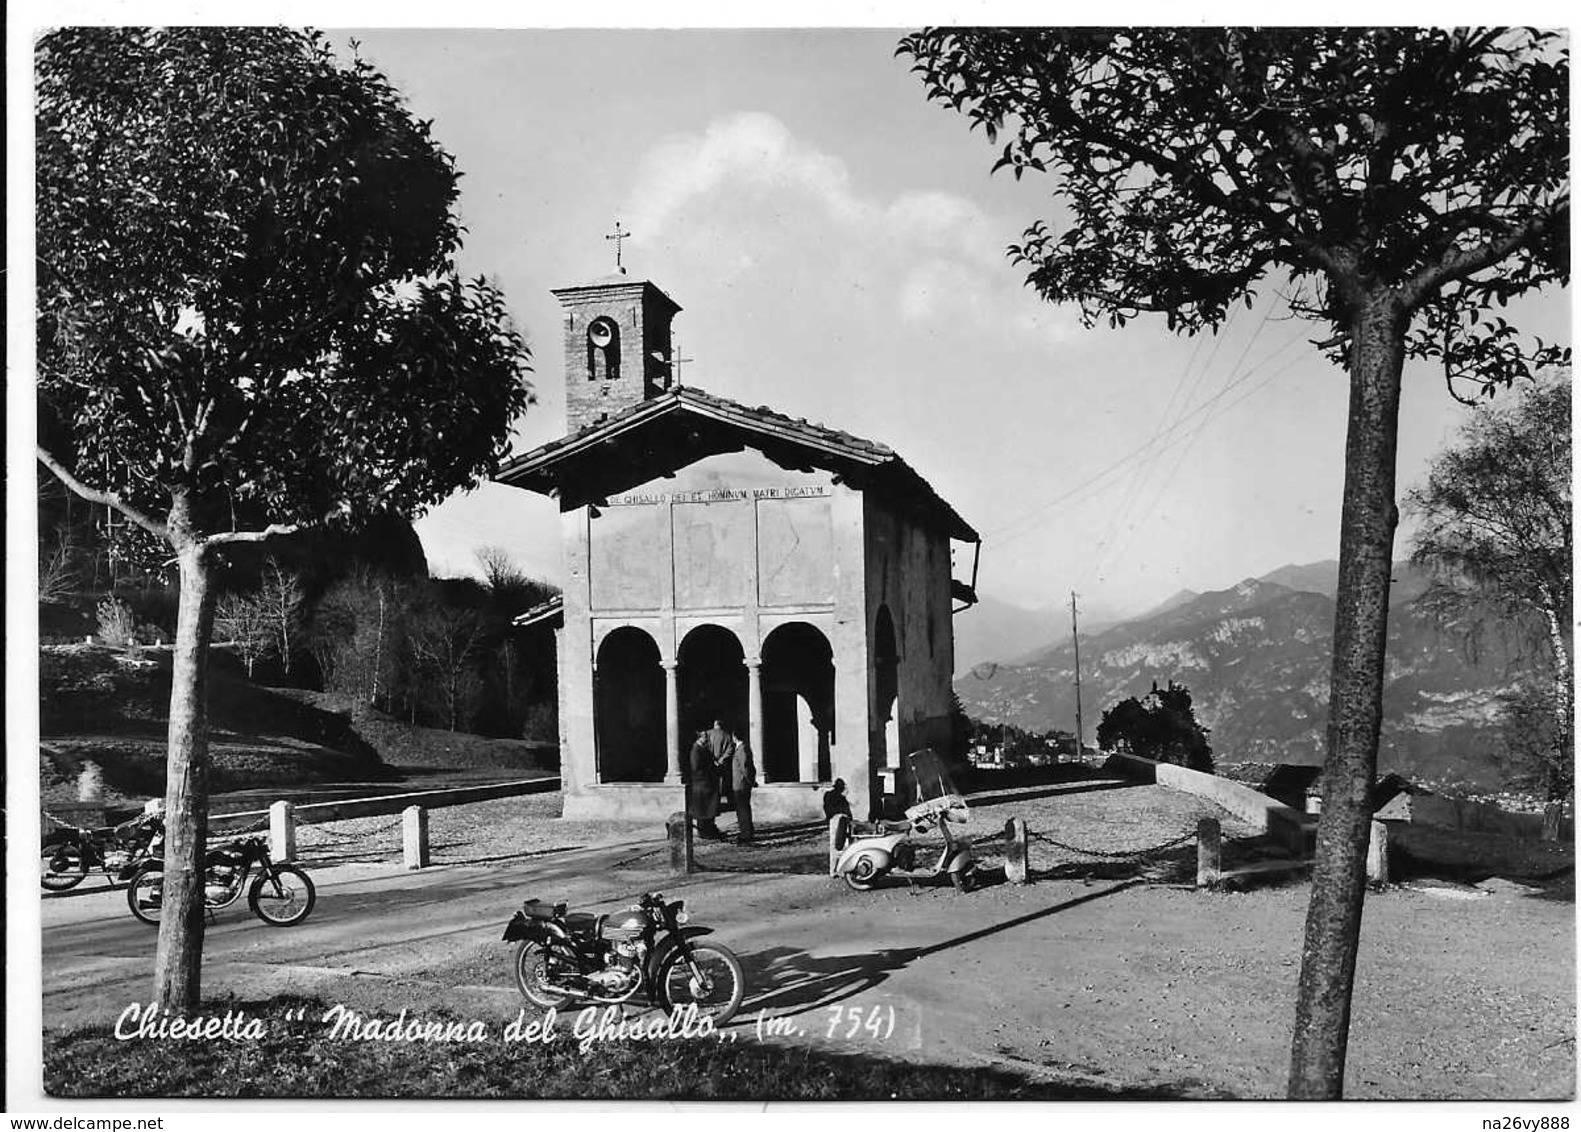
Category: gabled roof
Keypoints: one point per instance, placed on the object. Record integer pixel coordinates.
(661, 435)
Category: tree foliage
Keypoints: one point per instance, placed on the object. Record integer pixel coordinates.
(245, 289)
(1195, 162)
(1495, 530)
(1160, 726)
(1403, 182)
(249, 324)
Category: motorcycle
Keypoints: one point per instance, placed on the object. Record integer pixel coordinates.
(867, 856)
(281, 895)
(68, 854)
(649, 947)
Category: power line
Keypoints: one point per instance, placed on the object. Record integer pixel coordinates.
(1002, 534)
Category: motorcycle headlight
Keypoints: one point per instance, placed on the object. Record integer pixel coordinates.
(682, 917)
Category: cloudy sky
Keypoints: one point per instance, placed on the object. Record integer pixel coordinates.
(836, 243)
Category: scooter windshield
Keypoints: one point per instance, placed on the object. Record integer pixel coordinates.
(935, 790)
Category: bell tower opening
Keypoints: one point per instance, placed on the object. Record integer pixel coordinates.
(618, 346)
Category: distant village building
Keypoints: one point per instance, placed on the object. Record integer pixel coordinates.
(729, 562)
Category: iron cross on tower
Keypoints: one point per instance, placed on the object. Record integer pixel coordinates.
(618, 235)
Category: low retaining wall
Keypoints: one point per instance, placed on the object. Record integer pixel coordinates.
(1469, 817)
(1282, 824)
(656, 801)
(315, 812)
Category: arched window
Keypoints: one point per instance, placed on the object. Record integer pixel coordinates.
(603, 350)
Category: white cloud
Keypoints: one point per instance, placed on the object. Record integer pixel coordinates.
(933, 256)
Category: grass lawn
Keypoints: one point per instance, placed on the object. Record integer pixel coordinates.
(299, 1059)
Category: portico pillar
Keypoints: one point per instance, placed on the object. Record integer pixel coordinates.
(672, 720)
(755, 707)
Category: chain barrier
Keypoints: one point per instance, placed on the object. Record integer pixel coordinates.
(346, 837)
(1121, 855)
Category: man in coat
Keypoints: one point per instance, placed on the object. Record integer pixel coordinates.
(743, 775)
(704, 788)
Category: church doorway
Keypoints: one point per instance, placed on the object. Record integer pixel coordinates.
(712, 676)
(628, 708)
(798, 704)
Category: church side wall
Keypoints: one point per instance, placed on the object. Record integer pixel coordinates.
(908, 571)
(853, 689)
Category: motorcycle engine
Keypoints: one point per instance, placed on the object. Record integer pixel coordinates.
(622, 972)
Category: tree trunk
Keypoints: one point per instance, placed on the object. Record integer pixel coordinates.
(180, 952)
(1366, 554)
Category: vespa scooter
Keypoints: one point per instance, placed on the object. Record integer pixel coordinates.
(868, 856)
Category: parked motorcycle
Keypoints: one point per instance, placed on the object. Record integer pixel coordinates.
(649, 947)
(280, 894)
(866, 857)
(70, 853)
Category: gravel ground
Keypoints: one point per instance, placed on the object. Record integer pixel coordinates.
(1095, 829)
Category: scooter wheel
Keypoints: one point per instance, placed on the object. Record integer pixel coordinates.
(962, 880)
(863, 875)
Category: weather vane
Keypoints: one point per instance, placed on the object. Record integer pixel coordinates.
(618, 235)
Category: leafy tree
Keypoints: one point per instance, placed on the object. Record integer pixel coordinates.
(1160, 726)
(1401, 180)
(1495, 532)
(249, 325)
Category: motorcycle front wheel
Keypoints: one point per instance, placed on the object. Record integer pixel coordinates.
(532, 975)
(145, 894)
(712, 982)
(61, 867)
(282, 897)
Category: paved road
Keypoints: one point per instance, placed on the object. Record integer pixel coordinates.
(381, 939)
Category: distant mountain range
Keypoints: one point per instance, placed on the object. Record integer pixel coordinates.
(1256, 658)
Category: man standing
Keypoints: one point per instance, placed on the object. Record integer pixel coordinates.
(743, 775)
(705, 778)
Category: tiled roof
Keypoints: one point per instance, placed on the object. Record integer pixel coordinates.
(821, 444)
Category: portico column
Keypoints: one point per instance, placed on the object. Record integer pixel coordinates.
(672, 719)
(755, 707)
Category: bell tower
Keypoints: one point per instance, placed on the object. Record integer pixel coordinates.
(617, 346)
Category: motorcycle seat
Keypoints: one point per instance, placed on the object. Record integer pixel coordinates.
(541, 909)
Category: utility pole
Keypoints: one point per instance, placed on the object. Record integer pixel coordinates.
(1081, 749)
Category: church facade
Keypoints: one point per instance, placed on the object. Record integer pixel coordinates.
(727, 562)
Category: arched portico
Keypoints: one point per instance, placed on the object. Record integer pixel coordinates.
(798, 704)
(629, 708)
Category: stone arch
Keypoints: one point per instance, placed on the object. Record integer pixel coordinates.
(798, 704)
(711, 675)
(628, 708)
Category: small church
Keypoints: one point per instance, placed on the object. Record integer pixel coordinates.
(728, 562)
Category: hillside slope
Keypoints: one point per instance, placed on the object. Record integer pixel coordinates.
(1256, 658)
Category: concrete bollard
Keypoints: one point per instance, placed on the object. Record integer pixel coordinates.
(414, 836)
(1016, 852)
(282, 831)
(675, 834)
(1378, 854)
(839, 834)
(1208, 859)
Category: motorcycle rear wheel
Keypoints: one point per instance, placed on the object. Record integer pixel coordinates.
(144, 894)
(532, 971)
(290, 905)
(61, 867)
(716, 987)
